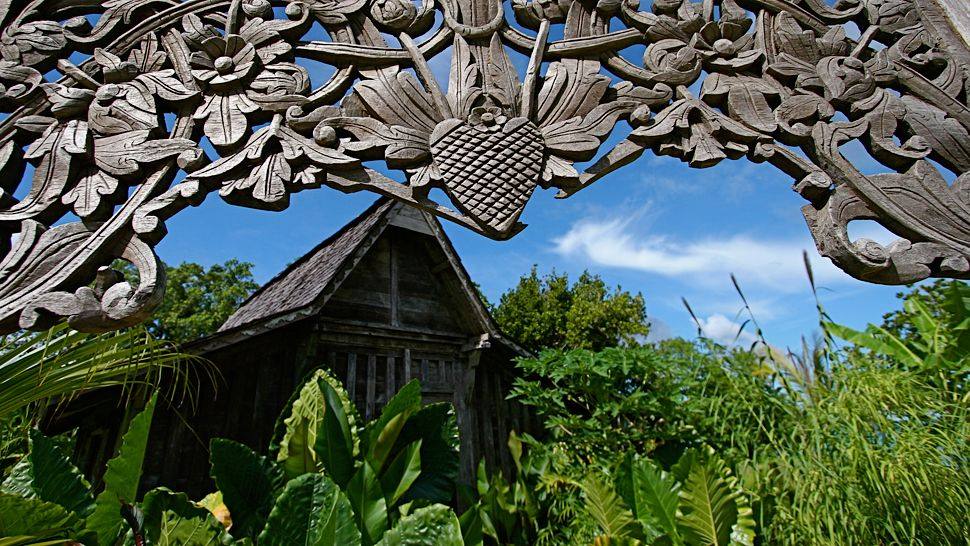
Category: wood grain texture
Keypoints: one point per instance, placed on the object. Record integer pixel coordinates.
(105, 106)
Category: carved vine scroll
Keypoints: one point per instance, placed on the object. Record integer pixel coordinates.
(118, 114)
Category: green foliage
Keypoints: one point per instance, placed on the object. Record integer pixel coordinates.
(121, 477)
(46, 473)
(548, 312)
(654, 400)
(198, 300)
(46, 497)
(248, 483)
(930, 336)
(606, 508)
(713, 508)
(60, 362)
(321, 431)
(706, 508)
(430, 526)
(34, 521)
(313, 511)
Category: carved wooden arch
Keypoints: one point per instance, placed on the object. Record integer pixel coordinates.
(107, 105)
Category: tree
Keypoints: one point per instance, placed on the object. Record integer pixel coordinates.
(198, 300)
(548, 312)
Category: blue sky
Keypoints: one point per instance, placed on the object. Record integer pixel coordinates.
(657, 227)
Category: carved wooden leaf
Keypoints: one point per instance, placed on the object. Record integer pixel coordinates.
(148, 57)
(501, 78)
(88, 196)
(55, 148)
(225, 117)
(166, 84)
(123, 154)
(579, 138)
(463, 90)
(264, 188)
(571, 88)
(946, 136)
(397, 98)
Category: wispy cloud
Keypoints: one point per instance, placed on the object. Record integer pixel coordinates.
(725, 331)
(770, 263)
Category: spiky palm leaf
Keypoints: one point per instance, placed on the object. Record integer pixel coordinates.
(61, 362)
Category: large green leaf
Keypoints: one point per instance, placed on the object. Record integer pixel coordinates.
(160, 501)
(248, 483)
(653, 495)
(121, 478)
(403, 471)
(46, 473)
(367, 499)
(439, 458)
(713, 509)
(608, 510)
(383, 432)
(320, 431)
(30, 521)
(311, 511)
(472, 529)
(177, 530)
(434, 525)
(339, 445)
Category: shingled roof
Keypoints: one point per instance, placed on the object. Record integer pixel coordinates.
(303, 288)
(305, 280)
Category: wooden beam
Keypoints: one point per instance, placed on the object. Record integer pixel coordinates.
(389, 378)
(351, 376)
(394, 291)
(371, 386)
(407, 366)
(466, 418)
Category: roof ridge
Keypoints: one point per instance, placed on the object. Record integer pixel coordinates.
(366, 214)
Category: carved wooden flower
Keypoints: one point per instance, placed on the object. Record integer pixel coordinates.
(223, 61)
(244, 75)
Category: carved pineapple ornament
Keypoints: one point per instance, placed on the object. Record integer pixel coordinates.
(490, 164)
(104, 107)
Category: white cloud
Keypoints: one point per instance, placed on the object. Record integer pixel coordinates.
(725, 331)
(770, 263)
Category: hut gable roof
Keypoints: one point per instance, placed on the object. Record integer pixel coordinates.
(304, 287)
(305, 280)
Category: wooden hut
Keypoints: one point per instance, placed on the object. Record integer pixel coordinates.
(383, 301)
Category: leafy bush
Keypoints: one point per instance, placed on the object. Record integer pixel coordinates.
(331, 482)
(655, 400)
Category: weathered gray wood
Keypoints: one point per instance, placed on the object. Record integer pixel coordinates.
(102, 144)
(390, 383)
(371, 386)
(407, 366)
(394, 281)
(465, 417)
(351, 375)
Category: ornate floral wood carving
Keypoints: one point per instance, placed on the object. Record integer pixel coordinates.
(121, 113)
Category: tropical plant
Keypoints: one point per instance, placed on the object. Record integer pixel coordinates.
(61, 362)
(698, 503)
(46, 500)
(331, 482)
(930, 336)
(537, 506)
(656, 400)
(373, 474)
(549, 312)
